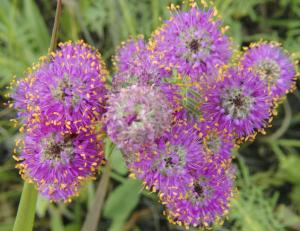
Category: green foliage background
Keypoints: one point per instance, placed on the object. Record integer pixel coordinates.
(268, 169)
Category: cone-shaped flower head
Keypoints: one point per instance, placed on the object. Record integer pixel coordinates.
(192, 42)
(58, 162)
(273, 65)
(136, 116)
(67, 88)
(239, 103)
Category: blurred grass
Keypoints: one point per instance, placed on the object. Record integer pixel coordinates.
(268, 169)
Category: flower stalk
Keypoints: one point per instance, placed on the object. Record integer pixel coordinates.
(25, 216)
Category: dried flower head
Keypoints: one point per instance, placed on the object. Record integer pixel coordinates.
(136, 116)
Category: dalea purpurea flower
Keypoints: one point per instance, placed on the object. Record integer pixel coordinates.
(217, 143)
(191, 42)
(239, 102)
(176, 108)
(136, 116)
(167, 165)
(58, 162)
(60, 103)
(133, 65)
(67, 88)
(203, 202)
(273, 65)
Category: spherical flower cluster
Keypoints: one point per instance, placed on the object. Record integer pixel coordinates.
(239, 103)
(61, 103)
(58, 163)
(191, 42)
(177, 152)
(273, 65)
(134, 65)
(67, 89)
(137, 115)
(202, 202)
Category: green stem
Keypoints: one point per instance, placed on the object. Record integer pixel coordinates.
(127, 17)
(26, 210)
(155, 13)
(55, 29)
(284, 125)
(94, 214)
(25, 216)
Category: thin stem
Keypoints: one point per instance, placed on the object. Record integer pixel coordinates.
(130, 23)
(155, 13)
(26, 211)
(55, 29)
(94, 214)
(284, 125)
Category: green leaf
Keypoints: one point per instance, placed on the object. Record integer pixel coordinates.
(37, 24)
(41, 206)
(56, 219)
(117, 162)
(289, 168)
(123, 200)
(72, 227)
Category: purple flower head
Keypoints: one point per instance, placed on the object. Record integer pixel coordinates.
(191, 42)
(273, 65)
(136, 116)
(168, 165)
(67, 89)
(128, 53)
(203, 202)
(58, 162)
(134, 65)
(239, 103)
(217, 143)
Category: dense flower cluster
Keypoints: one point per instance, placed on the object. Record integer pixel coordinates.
(60, 102)
(213, 104)
(178, 106)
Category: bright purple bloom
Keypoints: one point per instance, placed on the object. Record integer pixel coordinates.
(168, 165)
(134, 65)
(194, 189)
(193, 43)
(239, 103)
(217, 143)
(203, 202)
(58, 162)
(129, 53)
(136, 116)
(273, 65)
(66, 89)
